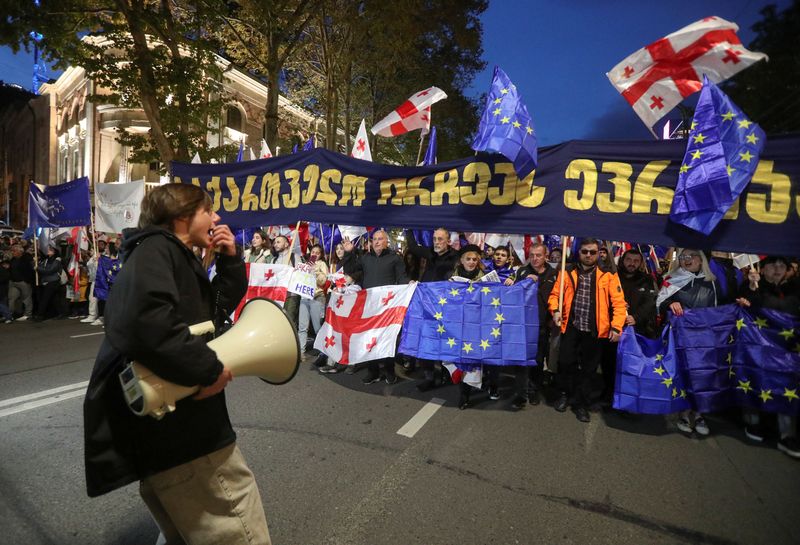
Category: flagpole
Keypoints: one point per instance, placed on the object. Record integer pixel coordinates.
(561, 276)
(36, 255)
(419, 153)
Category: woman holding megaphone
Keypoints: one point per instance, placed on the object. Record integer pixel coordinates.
(192, 476)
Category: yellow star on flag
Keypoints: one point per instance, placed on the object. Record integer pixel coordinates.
(752, 138)
(787, 334)
(731, 373)
(495, 301)
(745, 124)
(451, 342)
(442, 301)
(495, 332)
(740, 324)
(744, 386)
(659, 370)
(498, 100)
(790, 394)
(467, 348)
(516, 124)
(498, 317)
(730, 339)
(659, 357)
(667, 382)
(505, 120)
(471, 288)
(730, 169)
(504, 91)
(453, 292)
(497, 111)
(674, 392)
(728, 116)
(699, 139)
(746, 156)
(440, 329)
(486, 290)
(528, 130)
(484, 343)
(683, 393)
(729, 358)
(438, 315)
(683, 169)
(694, 124)
(761, 322)
(765, 395)
(796, 348)
(696, 154)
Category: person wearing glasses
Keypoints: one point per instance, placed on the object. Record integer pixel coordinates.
(593, 310)
(689, 283)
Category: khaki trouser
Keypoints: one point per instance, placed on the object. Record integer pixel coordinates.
(212, 500)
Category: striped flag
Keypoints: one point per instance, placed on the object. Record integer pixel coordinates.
(267, 281)
(414, 113)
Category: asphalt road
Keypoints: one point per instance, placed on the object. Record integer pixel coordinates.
(332, 468)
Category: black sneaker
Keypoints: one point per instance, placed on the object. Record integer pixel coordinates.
(754, 433)
(351, 370)
(561, 404)
(330, 369)
(790, 446)
(371, 379)
(533, 397)
(494, 393)
(391, 379)
(582, 415)
(463, 400)
(321, 360)
(518, 403)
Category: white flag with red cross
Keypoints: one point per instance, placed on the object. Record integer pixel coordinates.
(414, 113)
(267, 281)
(657, 77)
(265, 152)
(363, 325)
(361, 145)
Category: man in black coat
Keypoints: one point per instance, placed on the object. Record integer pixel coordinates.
(21, 281)
(192, 476)
(440, 261)
(378, 267)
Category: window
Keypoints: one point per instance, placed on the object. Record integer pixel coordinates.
(233, 119)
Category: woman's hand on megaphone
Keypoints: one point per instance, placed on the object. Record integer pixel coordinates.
(222, 380)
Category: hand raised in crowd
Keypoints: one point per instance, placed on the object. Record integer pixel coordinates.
(213, 389)
(347, 244)
(753, 277)
(223, 241)
(742, 302)
(630, 320)
(613, 336)
(676, 309)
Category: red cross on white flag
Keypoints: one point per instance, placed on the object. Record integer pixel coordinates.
(657, 77)
(414, 113)
(361, 145)
(267, 281)
(265, 152)
(363, 325)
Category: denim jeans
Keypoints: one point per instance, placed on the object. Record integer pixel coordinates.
(312, 309)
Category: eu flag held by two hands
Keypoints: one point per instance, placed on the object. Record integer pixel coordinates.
(468, 323)
(721, 156)
(506, 127)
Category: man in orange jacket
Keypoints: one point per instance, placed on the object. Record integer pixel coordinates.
(593, 309)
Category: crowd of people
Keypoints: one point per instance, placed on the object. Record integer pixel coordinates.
(582, 312)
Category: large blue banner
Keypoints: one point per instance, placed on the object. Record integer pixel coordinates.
(611, 190)
(63, 205)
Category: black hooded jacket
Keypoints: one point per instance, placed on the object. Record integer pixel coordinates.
(160, 291)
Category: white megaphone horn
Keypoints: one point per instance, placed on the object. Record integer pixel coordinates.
(262, 343)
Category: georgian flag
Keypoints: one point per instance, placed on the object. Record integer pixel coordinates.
(265, 152)
(414, 113)
(657, 77)
(362, 325)
(472, 376)
(675, 281)
(361, 145)
(267, 281)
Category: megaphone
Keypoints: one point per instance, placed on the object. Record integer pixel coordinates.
(262, 343)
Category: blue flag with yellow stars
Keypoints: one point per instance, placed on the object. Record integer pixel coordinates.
(107, 269)
(716, 358)
(506, 127)
(430, 153)
(468, 323)
(721, 156)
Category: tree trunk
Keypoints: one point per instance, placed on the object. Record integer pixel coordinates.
(348, 93)
(273, 91)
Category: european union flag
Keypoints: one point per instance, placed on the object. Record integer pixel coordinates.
(62, 205)
(328, 235)
(470, 323)
(506, 127)
(107, 269)
(430, 153)
(240, 155)
(721, 156)
(309, 145)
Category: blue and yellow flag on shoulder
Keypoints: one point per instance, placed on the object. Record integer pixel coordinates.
(721, 156)
(468, 323)
(506, 127)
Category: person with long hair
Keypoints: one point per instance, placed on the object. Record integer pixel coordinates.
(689, 284)
(192, 476)
(259, 248)
(314, 309)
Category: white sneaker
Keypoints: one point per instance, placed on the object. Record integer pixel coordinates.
(88, 319)
(700, 426)
(99, 321)
(684, 425)
(22, 318)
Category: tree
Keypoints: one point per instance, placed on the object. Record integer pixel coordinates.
(149, 54)
(768, 91)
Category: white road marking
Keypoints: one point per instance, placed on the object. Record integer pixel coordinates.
(41, 402)
(411, 427)
(44, 393)
(87, 335)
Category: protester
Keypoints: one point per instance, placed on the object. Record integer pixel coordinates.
(91, 275)
(529, 378)
(161, 290)
(50, 270)
(20, 285)
(770, 289)
(689, 284)
(314, 309)
(5, 278)
(282, 254)
(259, 248)
(593, 309)
(555, 258)
(500, 264)
(379, 267)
